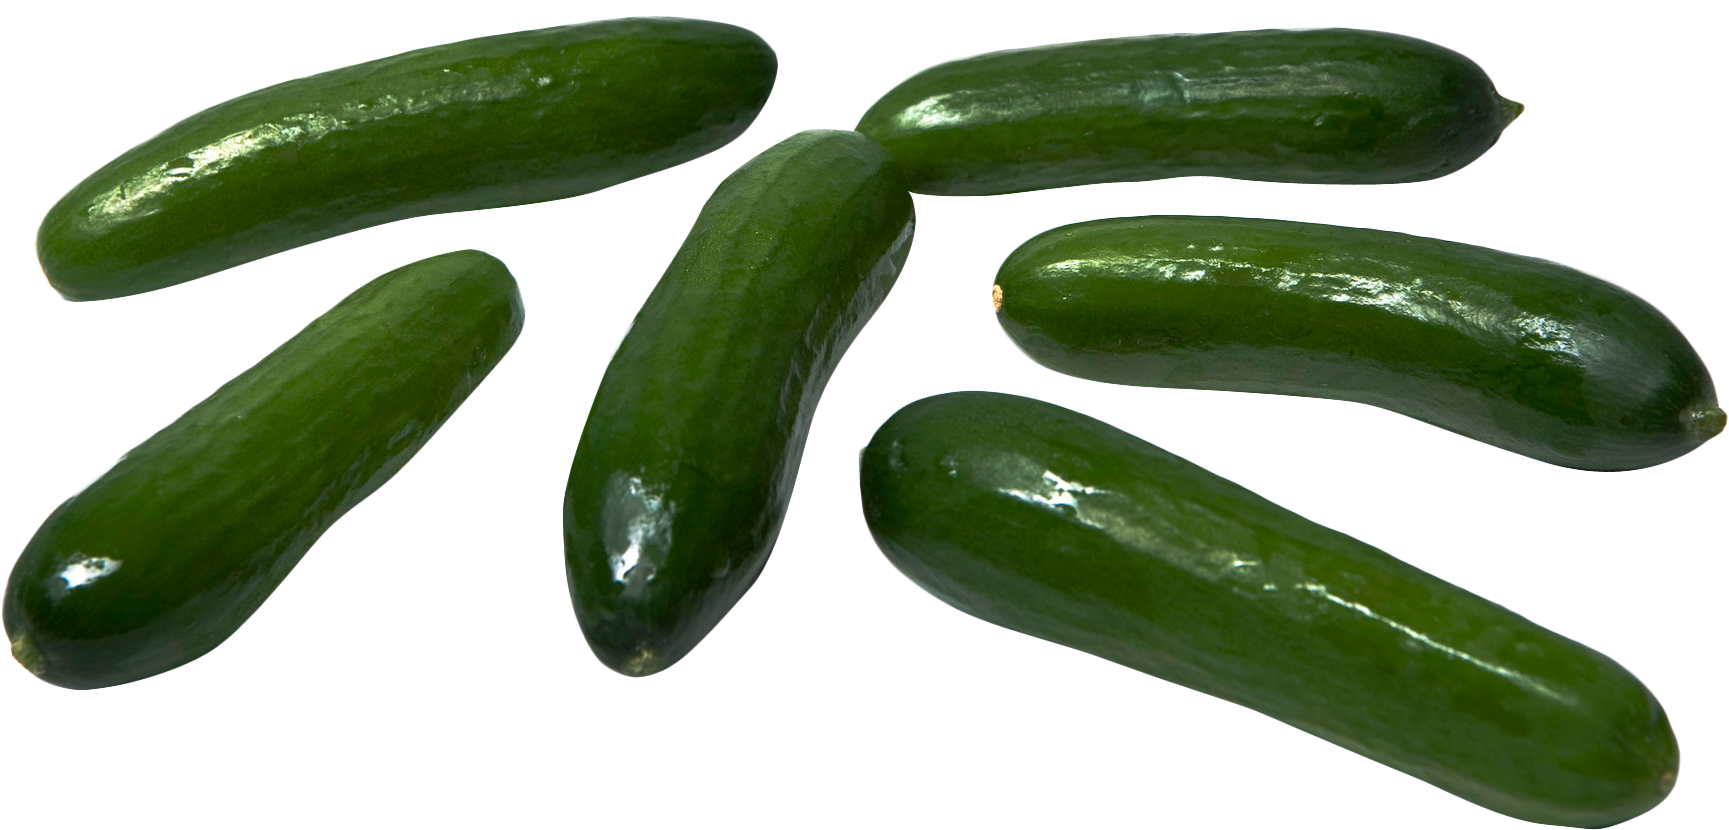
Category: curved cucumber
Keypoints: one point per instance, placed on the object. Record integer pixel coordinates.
(1321, 106)
(503, 120)
(1517, 352)
(169, 552)
(687, 462)
(1053, 524)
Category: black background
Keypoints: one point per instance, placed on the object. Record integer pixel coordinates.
(445, 592)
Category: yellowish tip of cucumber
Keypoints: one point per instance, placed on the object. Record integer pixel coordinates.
(1705, 421)
(1510, 110)
(996, 298)
(25, 652)
(645, 661)
(1666, 782)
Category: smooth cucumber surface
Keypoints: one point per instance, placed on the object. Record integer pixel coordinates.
(169, 552)
(1056, 525)
(1518, 352)
(687, 462)
(1319, 106)
(503, 120)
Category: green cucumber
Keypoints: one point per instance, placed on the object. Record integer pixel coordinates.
(169, 552)
(1320, 106)
(1053, 524)
(503, 120)
(1517, 352)
(687, 462)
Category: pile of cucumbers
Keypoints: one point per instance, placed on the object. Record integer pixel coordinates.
(1016, 511)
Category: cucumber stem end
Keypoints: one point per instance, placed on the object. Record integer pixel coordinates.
(1510, 110)
(1704, 421)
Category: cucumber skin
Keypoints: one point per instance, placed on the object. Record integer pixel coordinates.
(1518, 352)
(1317, 106)
(688, 459)
(1053, 524)
(210, 514)
(504, 120)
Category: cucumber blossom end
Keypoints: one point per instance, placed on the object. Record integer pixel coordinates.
(24, 650)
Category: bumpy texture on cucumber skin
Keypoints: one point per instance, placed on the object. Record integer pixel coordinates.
(1318, 106)
(1053, 524)
(169, 552)
(503, 120)
(1514, 351)
(687, 462)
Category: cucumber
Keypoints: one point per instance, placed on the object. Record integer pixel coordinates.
(503, 120)
(687, 462)
(1319, 106)
(169, 552)
(1517, 352)
(1053, 524)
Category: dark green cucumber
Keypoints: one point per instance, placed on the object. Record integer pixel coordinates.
(1053, 524)
(496, 121)
(1517, 352)
(168, 553)
(1320, 106)
(687, 462)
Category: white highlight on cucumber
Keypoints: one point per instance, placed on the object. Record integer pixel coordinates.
(635, 546)
(1133, 526)
(87, 570)
(138, 196)
(1061, 492)
(935, 112)
(1407, 295)
(1519, 678)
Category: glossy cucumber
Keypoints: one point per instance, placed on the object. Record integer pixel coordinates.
(1518, 352)
(503, 120)
(169, 552)
(687, 462)
(1320, 106)
(1053, 524)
